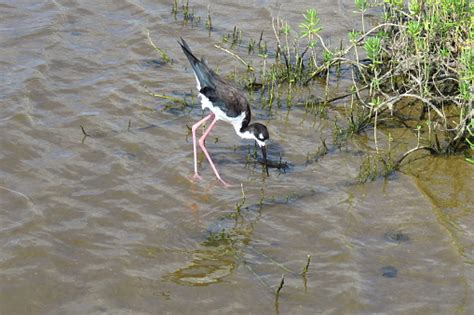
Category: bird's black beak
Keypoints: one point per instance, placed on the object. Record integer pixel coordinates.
(264, 154)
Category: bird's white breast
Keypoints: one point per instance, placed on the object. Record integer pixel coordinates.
(235, 121)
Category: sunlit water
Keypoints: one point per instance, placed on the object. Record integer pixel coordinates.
(112, 224)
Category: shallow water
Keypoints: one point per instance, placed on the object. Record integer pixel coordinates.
(111, 223)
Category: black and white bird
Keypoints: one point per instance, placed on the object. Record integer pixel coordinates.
(226, 103)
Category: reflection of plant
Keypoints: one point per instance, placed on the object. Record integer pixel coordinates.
(470, 130)
(222, 238)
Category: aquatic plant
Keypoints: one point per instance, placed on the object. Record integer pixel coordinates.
(209, 20)
(362, 6)
(166, 58)
(186, 14)
(380, 164)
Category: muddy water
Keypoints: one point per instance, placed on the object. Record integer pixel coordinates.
(111, 223)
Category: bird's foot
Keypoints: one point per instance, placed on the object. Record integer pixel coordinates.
(196, 178)
(226, 185)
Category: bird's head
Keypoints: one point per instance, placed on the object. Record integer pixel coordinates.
(260, 133)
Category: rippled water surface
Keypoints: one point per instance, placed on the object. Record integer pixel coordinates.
(111, 223)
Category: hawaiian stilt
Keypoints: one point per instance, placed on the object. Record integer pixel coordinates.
(226, 103)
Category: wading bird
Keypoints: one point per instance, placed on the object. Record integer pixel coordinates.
(226, 103)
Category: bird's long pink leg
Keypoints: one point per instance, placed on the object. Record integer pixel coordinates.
(203, 147)
(194, 128)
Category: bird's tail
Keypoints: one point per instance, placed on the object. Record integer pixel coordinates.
(202, 71)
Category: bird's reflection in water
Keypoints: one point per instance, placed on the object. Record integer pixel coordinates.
(207, 267)
(220, 252)
(210, 264)
(226, 243)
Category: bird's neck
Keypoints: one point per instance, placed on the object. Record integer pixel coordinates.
(245, 127)
(241, 126)
(244, 132)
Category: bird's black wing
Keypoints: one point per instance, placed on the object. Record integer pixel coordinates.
(229, 100)
(220, 92)
(202, 71)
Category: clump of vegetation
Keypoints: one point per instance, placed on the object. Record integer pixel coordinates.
(423, 51)
(186, 14)
(377, 165)
(419, 57)
(416, 67)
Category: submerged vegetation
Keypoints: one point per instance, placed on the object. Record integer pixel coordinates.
(414, 69)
